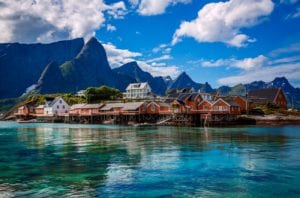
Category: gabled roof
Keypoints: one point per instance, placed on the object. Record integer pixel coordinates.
(132, 106)
(267, 95)
(208, 101)
(229, 102)
(51, 101)
(86, 106)
(110, 106)
(142, 85)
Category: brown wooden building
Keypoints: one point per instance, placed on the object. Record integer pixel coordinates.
(271, 95)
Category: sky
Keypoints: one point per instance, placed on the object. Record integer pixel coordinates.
(220, 42)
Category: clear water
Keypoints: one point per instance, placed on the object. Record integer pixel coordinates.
(51, 160)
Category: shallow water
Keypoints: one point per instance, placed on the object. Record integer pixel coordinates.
(51, 160)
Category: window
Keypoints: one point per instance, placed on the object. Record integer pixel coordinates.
(63, 106)
(60, 101)
(205, 107)
(57, 106)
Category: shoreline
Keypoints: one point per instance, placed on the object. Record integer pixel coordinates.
(244, 120)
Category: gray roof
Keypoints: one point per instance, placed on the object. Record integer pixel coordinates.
(132, 106)
(51, 101)
(110, 106)
(265, 95)
(129, 106)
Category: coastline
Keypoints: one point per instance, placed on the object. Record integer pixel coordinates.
(244, 120)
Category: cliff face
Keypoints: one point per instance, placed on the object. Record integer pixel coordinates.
(22, 64)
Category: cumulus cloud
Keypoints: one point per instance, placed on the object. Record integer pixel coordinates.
(268, 73)
(46, 21)
(163, 48)
(223, 21)
(156, 7)
(161, 58)
(118, 57)
(111, 28)
(267, 69)
(245, 64)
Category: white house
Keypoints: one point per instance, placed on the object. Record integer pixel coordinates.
(138, 90)
(56, 106)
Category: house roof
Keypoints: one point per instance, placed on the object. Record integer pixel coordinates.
(110, 106)
(130, 106)
(142, 85)
(163, 104)
(266, 95)
(86, 106)
(39, 106)
(231, 101)
(51, 101)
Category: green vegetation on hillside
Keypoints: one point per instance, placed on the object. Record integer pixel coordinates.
(98, 94)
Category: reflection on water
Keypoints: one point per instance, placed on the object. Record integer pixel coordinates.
(96, 160)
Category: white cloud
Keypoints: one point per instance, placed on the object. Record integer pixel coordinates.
(163, 48)
(117, 57)
(111, 28)
(161, 58)
(294, 47)
(245, 64)
(160, 70)
(156, 7)
(46, 21)
(223, 21)
(268, 73)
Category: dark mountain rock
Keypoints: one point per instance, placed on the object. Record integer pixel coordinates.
(184, 81)
(132, 70)
(51, 80)
(89, 68)
(22, 64)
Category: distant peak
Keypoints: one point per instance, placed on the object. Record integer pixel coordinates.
(92, 40)
(280, 79)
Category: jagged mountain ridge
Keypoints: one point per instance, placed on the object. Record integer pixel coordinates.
(69, 66)
(22, 64)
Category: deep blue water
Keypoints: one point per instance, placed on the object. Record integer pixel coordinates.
(61, 160)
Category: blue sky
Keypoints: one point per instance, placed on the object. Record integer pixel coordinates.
(220, 42)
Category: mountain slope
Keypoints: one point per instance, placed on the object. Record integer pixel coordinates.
(89, 68)
(22, 64)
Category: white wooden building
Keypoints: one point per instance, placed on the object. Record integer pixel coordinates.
(138, 90)
(56, 106)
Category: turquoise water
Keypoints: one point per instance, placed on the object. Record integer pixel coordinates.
(51, 160)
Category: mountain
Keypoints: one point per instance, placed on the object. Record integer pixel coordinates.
(184, 81)
(89, 68)
(132, 70)
(22, 64)
(292, 93)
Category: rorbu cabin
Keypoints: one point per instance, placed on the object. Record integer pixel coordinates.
(153, 108)
(205, 106)
(268, 96)
(158, 108)
(85, 109)
(112, 108)
(25, 110)
(241, 101)
(39, 110)
(227, 106)
(134, 108)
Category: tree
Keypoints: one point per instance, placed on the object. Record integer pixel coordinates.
(98, 94)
